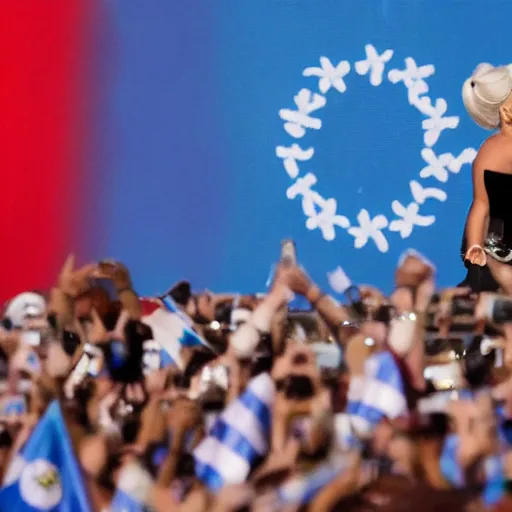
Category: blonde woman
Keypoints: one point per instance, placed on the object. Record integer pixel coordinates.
(487, 245)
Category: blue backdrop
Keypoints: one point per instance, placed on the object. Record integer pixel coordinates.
(231, 125)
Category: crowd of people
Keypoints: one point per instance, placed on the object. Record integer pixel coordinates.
(197, 401)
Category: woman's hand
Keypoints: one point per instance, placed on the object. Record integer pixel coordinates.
(476, 255)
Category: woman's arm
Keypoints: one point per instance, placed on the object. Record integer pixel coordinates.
(479, 213)
(334, 315)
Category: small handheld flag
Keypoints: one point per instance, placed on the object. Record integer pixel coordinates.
(170, 330)
(238, 437)
(379, 395)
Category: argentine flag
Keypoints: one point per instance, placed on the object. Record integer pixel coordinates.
(45, 475)
(376, 395)
(238, 437)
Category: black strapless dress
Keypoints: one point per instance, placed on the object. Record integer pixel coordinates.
(498, 241)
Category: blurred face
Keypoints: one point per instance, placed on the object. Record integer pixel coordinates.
(297, 361)
(36, 323)
(206, 306)
(95, 298)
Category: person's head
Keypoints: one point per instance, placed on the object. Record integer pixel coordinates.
(181, 294)
(477, 365)
(25, 307)
(487, 96)
(201, 307)
(94, 298)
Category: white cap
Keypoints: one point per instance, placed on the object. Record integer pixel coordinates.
(24, 305)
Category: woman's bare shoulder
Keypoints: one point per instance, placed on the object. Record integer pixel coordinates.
(495, 154)
(491, 152)
(491, 143)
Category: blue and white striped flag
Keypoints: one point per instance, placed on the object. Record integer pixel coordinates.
(187, 336)
(171, 306)
(377, 395)
(238, 437)
(170, 330)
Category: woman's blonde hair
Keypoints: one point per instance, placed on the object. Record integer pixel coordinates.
(485, 92)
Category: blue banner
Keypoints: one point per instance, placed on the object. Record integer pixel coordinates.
(337, 124)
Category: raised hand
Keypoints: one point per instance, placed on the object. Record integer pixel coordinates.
(295, 278)
(116, 272)
(412, 271)
(184, 414)
(74, 282)
(476, 255)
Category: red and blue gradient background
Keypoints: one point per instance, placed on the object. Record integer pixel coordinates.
(146, 131)
(46, 100)
(64, 130)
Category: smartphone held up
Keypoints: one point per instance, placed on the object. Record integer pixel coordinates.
(288, 253)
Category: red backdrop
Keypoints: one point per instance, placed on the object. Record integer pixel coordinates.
(44, 100)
